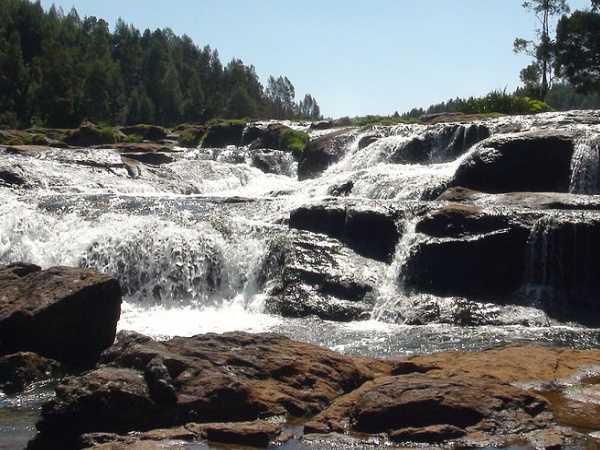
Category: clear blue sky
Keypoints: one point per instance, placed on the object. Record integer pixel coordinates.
(356, 57)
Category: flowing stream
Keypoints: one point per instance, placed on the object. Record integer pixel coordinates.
(187, 240)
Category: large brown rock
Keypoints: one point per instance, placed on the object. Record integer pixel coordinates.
(538, 161)
(539, 367)
(144, 384)
(61, 313)
(450, 397)
(422, 408)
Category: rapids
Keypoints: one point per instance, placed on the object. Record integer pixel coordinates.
(187, 240)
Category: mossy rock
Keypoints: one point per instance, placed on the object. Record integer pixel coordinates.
(281, 137)
(190, 136)
(220, 134)
(293, 141)
(89, 134)
(147, 132)
(13, 137)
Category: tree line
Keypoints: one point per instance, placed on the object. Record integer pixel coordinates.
(564, 72)
(571, 54)
(58, 70)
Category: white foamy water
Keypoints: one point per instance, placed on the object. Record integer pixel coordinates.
(186, 240)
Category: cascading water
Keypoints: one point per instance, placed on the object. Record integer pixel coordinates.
(585, 166)
(187, 240)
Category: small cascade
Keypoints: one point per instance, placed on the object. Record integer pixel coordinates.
(544, 263)
(562, 267)
(585, 166)
(391, 293)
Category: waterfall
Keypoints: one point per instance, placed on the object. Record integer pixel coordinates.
(391, 293)
(562, 263)
(544, 263)
(585, 166)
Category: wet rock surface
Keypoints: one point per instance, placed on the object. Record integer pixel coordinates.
(322, 152)
(221, 388)
(372, 231)
(143, 384)
(307, 274)
(537, 161)
(61, 313)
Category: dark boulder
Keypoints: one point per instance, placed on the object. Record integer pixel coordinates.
(306, 274)
(12, 176)
(372, 232)
(272, 161)
(439, 144)
(222, 134)
(322, 152)
(341, 190)
(537, 161)
(490, 265)
(150, 158)
(460, 220)
(19, 370)
(61, 313)
(563, 268)
(321, 125)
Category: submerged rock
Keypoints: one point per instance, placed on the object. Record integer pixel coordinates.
(19, 370)
(61, 313)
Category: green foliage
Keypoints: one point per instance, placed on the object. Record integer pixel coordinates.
(369, 121)
(23, 138)
(60, 70)
(503, 103)
(578, 50)
(145, 132)
(189, 136)
(92, 135)
(134, 138)
(293, 140)
(538, 76)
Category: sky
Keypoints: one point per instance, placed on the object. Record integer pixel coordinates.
(355, 57)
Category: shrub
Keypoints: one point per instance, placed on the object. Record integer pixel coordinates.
(147, 132)
(501, 102)
(293, 141)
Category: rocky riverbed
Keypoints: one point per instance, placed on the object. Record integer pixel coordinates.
(247, 389)
(403, 285)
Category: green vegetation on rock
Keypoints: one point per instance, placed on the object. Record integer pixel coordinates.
(293, 140)
(88, 135)
(503, 103)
